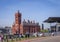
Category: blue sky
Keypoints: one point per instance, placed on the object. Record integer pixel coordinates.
(37, 10)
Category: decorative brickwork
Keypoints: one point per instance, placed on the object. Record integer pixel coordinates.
(24, 27)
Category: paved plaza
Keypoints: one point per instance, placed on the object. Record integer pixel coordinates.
(44, 39)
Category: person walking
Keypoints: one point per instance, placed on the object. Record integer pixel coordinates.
(0, 38)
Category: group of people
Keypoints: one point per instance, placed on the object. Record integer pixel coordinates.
(52, 34)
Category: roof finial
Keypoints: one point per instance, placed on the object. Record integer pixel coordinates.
(18, 11)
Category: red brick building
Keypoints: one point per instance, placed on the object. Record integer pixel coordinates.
(24, 27)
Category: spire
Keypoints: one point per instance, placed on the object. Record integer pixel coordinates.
(17, 13)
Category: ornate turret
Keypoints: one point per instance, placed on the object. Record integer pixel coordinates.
(18, 17)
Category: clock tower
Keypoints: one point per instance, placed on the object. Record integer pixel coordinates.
(17, 28)
(18, 18)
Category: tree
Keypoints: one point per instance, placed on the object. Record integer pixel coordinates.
(44, 31)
